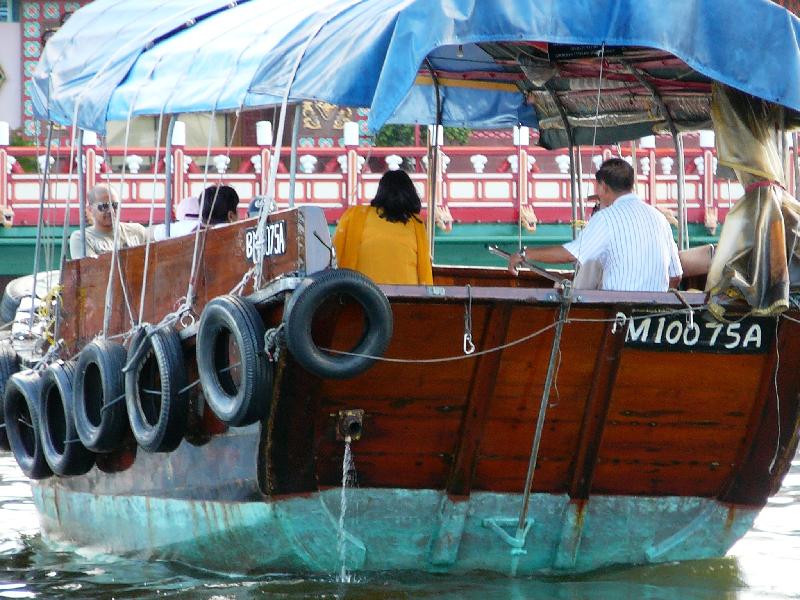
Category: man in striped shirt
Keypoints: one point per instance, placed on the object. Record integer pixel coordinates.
(632, 240)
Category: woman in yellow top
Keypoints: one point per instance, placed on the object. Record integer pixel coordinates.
(386, 240)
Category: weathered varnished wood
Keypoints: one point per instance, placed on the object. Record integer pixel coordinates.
(221, 264)
(621, 420)
(768, 448)
(480, 394)
(594, 417)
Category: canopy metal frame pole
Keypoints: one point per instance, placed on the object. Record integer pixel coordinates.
(796, 165)
(43, 194)
(81, 192)
(579, 172)
(571, 141)
(298, 114)
(169, 175)
(683, 228)
(434, 160)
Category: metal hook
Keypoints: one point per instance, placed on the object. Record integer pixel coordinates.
(469, 346)
(619, 321)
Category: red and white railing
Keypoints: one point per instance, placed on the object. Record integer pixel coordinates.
(479, 184)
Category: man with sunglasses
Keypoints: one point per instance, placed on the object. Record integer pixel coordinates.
(102, 205)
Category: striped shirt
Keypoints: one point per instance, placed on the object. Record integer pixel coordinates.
(634, 244)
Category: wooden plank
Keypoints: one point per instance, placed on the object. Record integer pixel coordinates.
(594, 419)
(459, 482)
(222, 263)
(773, 428)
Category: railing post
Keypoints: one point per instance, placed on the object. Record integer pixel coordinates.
(178, 167)
(351, 178)
(6, 212)
(264, 141)
(90, 158)
(526, 214)
(709, 202)
(649, 143)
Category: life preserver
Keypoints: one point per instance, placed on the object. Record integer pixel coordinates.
(21, 408)
(233, 321)
(63, 451)
(305, 302)
(100, 415)
(157, 416)
(9, 364)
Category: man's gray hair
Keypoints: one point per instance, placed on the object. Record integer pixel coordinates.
(101, 193)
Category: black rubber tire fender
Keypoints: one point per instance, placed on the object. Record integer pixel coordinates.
(64, 452)
(21, 408)
(9, 364)
(306, 300)
(234, 319)
(157, 420)
(100, 413)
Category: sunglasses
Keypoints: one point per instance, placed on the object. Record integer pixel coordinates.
(104, 206)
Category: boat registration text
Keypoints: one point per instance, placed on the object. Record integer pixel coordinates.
(676, 332)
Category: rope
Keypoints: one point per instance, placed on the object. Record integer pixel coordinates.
(582, 223)
(566, 321)
(273, 165)
(105, 407)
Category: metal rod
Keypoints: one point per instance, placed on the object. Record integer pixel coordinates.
(81, 192)
(43, 193)
(169, 172)
(683, 229)
(548, 382)
(434, 160)
(298, 113)
(571, 140)
(579, 170)
(796, 166)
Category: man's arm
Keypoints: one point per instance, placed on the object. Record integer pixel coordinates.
(545, 254)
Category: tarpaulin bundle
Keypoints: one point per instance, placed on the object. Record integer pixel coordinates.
(758, 256)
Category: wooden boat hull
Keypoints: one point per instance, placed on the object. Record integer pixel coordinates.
(390, 529)
(664, 433)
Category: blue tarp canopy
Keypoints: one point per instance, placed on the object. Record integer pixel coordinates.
(495, 63)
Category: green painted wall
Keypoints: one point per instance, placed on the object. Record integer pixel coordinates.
(465, 245)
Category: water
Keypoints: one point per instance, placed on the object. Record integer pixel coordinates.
(763, 565)
(347, 466)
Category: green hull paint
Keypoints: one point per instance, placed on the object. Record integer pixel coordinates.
(393, 529)
(464, 246)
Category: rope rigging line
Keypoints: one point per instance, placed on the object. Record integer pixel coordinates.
(260, 245)
(566, 321)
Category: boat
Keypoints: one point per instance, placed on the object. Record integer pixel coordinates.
(281, 414)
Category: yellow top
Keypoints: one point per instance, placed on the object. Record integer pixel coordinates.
(385, 252)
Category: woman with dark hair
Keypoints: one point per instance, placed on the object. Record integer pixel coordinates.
(386, 240)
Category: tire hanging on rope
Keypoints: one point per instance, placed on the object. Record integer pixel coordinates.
(155, 390)
(100, 416)
(309, 297)
(21, 408)
(9, 364)
(63, 450)
(239, 392)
